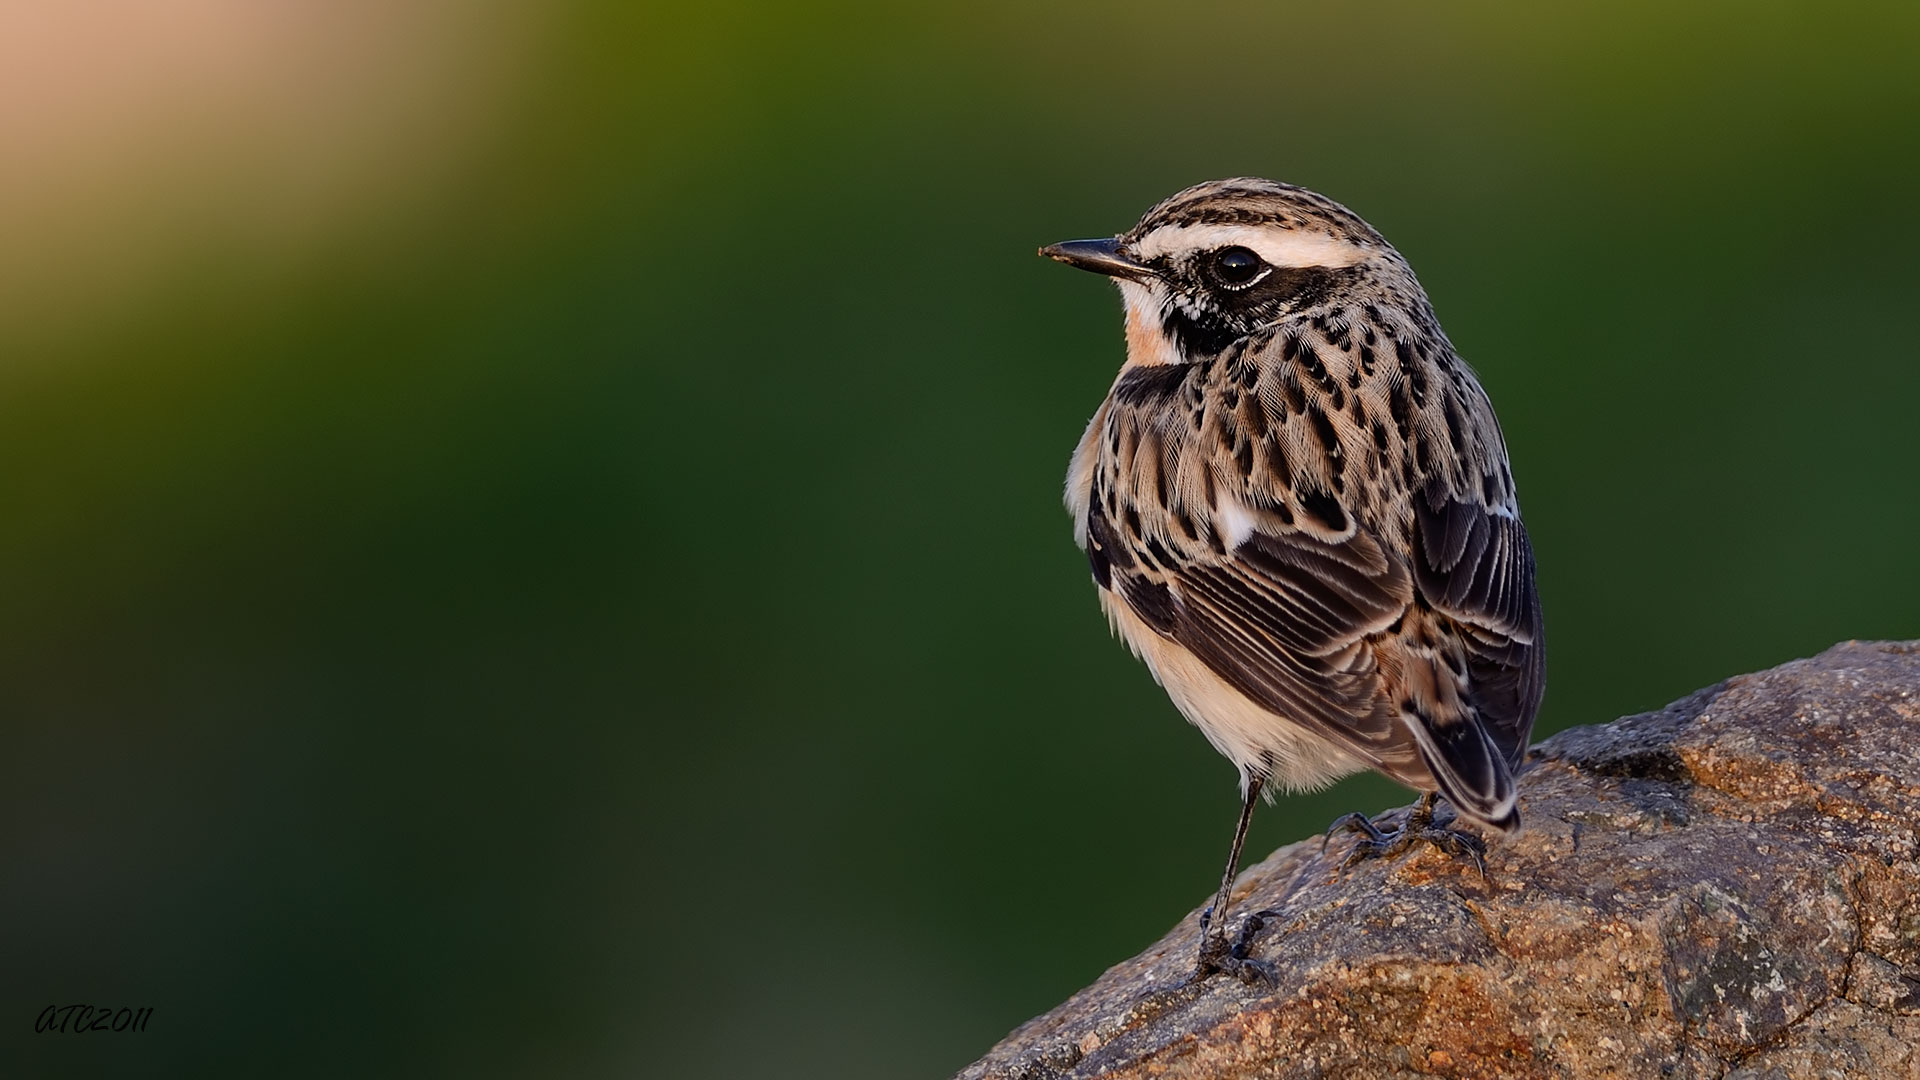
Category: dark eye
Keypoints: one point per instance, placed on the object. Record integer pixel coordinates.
(1236, 267)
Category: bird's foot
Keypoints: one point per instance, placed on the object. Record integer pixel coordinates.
(1217, 956)
(1378, 843)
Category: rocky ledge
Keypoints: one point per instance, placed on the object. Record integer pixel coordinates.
(1725, 888)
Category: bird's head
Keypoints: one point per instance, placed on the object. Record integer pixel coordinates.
(1228, 258)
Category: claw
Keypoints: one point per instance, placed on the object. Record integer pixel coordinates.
(1251, 972)
(1354, 822)
(1216, 955)
(1378, 843)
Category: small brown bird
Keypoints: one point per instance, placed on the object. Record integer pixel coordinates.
(1297, 507)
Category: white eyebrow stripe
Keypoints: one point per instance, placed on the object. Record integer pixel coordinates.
(1279, 247)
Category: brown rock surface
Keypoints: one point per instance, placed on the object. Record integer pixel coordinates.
(1725, 888)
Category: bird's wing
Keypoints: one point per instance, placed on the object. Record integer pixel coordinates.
(1474, 564)
(1282, 616)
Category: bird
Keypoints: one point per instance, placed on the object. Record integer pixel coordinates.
(1297, 508)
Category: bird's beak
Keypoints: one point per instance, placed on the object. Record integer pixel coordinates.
(1099, 256)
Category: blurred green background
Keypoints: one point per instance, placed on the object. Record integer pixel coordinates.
(532, 539)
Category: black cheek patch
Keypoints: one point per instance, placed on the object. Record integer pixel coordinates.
(1207, 335)
(1228, 315)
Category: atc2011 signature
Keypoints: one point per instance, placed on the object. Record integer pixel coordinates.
(78, 1018)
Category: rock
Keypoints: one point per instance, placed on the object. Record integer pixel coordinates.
(1725, 888)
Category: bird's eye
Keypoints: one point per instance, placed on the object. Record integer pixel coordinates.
(1236, 267)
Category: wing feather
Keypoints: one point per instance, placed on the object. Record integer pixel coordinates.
(1278, 617)
(1474, 564)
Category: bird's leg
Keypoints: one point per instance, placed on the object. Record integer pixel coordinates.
(1215, 954)
(1382, 843)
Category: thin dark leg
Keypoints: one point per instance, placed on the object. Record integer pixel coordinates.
(1214, 953)
(1220, 900)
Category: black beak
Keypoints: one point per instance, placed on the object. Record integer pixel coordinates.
(1099, 256)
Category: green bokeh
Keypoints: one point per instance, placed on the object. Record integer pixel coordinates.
(623, 623)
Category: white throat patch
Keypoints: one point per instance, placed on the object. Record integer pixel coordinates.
(1147, 341)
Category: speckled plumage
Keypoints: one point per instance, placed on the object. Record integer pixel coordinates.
(1297, 506)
